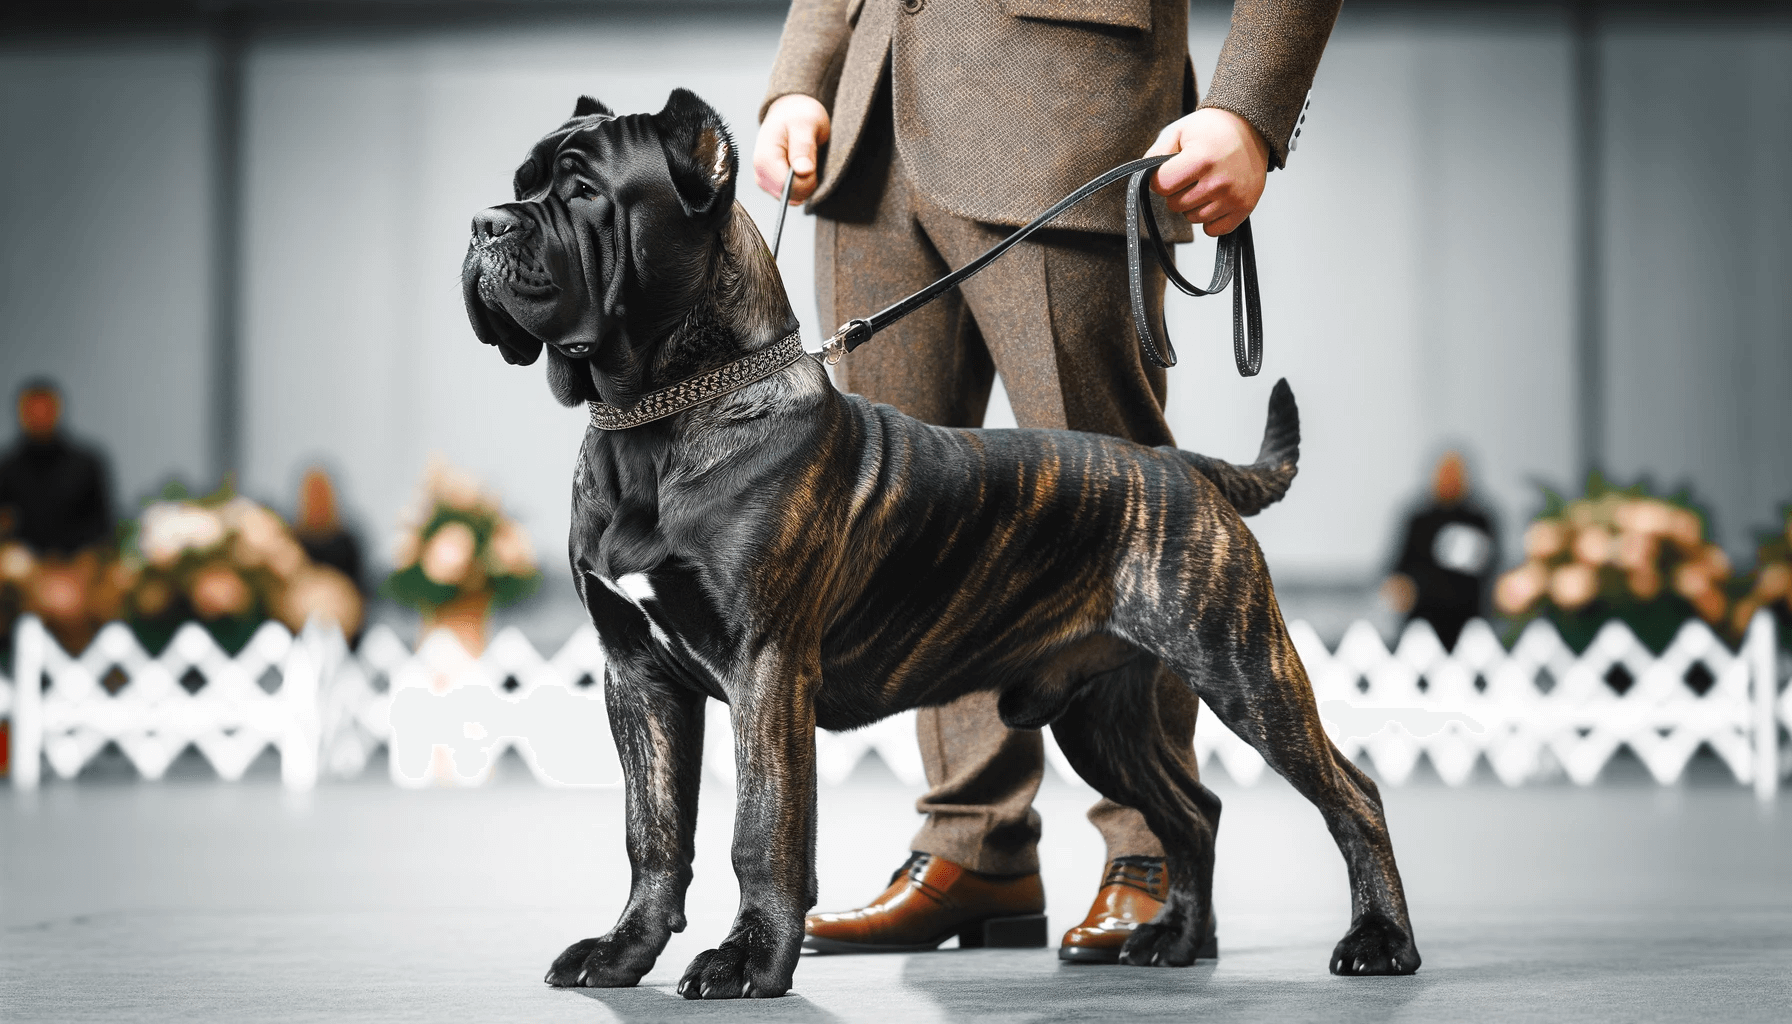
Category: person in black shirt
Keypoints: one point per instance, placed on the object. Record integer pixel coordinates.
(1447, 557)
(56, 503)
(55, 495)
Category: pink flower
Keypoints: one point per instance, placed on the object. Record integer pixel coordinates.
(510, 552)
(1544, 539)
(321, 592)
(1691, 581)
(405, 549)
(1519, 589)
(1637, 550)
(1685, 528)
(1774, 582)
(1715, 561)
(449, 553)
(218, 591)
(1593, 545)
(1645, 582)
(16, 562)
(1573, 585)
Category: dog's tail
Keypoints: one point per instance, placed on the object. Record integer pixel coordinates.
(1253, 488)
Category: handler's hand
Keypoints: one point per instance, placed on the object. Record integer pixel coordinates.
(795, 126)
(1217, 174)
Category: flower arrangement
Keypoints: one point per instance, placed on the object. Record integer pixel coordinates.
(1770, 584)
(229, 563)
(1617, 553)
(457, 548)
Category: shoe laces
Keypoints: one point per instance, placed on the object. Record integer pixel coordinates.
(913, 866)
(1145, 874)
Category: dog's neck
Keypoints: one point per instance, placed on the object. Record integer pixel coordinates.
(731, 303)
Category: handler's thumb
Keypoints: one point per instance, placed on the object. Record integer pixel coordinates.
(802, 146)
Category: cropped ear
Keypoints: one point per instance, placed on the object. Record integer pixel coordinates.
(699, 152)
(588, 106)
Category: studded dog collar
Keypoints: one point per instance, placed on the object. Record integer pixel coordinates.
(705, 387)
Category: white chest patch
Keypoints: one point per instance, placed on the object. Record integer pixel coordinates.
(636, 588)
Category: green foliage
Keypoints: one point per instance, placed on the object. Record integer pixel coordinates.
(409, 585)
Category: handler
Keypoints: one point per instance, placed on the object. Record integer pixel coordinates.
(921, 133)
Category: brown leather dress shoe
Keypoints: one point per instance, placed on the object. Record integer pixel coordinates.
(1131, 894)
(931, 899)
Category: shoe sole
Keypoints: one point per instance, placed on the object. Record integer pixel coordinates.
(1024, 931)
(1087, 955)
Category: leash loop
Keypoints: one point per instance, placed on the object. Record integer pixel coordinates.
(1235, 263)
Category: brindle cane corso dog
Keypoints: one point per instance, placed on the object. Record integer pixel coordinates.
(813, 560)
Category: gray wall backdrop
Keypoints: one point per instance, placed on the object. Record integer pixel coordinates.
(1417, 258)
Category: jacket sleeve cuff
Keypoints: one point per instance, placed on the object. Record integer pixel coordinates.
(811, 52)
(1267, 65)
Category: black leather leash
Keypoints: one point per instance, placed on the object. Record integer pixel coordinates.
(1234, 263)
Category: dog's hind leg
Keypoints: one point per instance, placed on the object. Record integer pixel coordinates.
(658, 728)
(1152, 770)
(1253, 680)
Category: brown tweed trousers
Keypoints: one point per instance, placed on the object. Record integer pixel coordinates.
(952, 119)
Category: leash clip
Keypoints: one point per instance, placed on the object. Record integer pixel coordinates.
(851, 335)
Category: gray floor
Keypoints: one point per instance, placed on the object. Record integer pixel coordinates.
(195, 900)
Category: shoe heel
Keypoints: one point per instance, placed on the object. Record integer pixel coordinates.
(1024, 931)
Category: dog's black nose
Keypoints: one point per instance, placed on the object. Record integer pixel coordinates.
(494, 223)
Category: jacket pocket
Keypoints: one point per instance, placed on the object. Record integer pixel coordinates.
(1119, 13)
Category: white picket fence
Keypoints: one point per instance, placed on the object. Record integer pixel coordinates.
(1535, 712)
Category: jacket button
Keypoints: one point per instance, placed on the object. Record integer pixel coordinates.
(913, 6)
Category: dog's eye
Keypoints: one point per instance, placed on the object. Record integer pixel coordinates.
(584, 190)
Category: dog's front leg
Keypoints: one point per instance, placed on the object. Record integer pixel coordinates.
(774, 833)
(659, 738)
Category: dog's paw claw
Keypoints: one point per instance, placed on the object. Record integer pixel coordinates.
(1375, 946)
(601, 963)
(1158, 945)
(731, 972)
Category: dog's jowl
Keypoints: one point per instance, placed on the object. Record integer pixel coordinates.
(743, 532)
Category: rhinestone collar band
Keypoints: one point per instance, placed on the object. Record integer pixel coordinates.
(705, 387)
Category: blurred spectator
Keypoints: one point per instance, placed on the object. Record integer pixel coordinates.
(1447, 557)
(56, 522)
(55, 495)
(318, 526)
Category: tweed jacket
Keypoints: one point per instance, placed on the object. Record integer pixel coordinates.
(1001, 107)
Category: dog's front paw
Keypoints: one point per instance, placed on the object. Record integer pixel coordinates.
(607, 962)
(1160, 945)
(735, 971)
(1375, 945)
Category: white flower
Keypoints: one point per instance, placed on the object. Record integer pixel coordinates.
(170, 528)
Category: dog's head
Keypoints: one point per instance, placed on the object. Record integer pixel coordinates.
(615, 228)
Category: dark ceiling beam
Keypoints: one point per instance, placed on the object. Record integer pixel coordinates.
(228, 37)
(102, 16)
(1587, 85)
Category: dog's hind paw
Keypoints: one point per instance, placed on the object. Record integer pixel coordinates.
(599, 963)
(1375, 945)
(730, 972)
